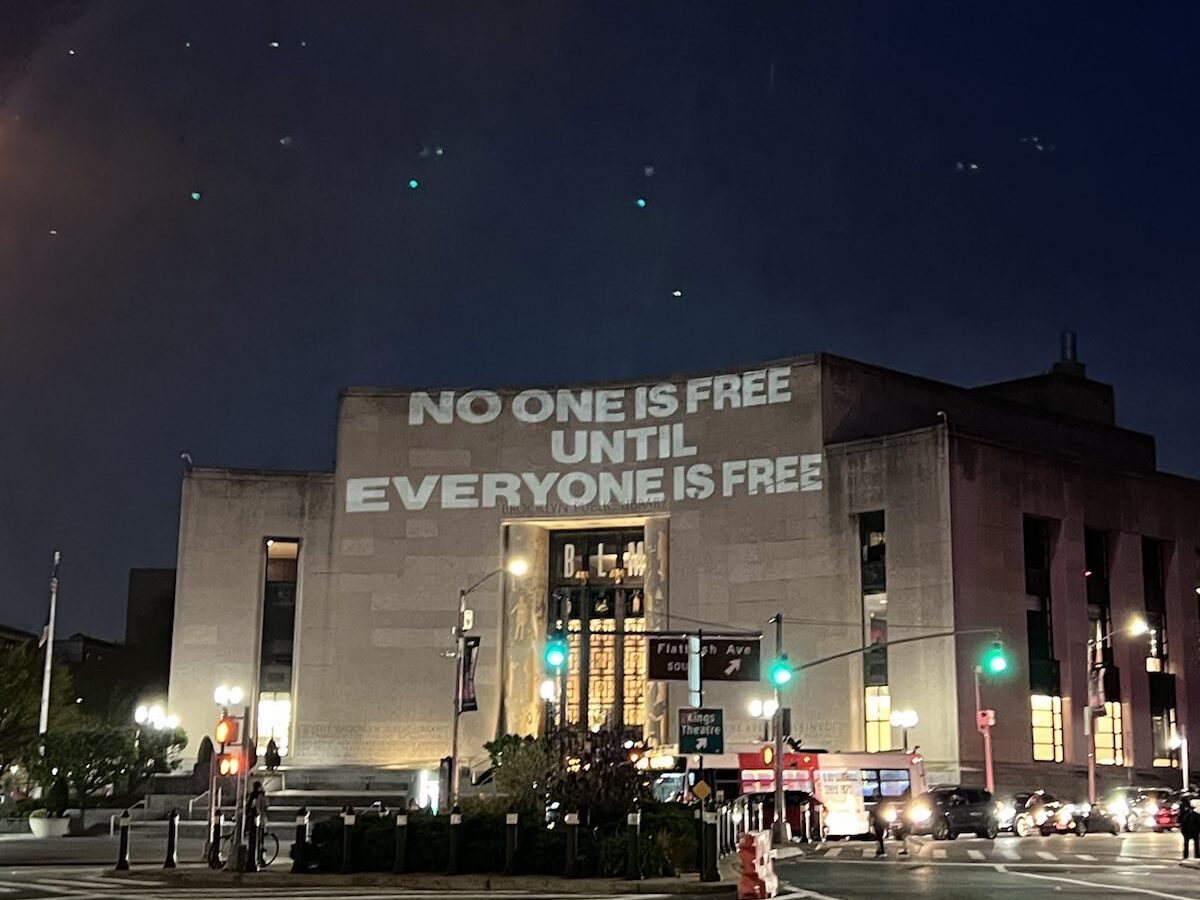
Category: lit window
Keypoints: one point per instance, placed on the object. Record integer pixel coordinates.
(274, 720)
(1110, 743)
(879, 719)
(1046, 715)
(1162, 736)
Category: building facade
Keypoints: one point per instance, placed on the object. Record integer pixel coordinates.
(865, 505)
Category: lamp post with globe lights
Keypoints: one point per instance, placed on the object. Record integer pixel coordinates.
(904, 719)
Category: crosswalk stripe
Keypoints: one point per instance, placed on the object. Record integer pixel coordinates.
(1046, 854)
(1086, 857)
(976, 854)
(81, 883)
(939, 853)
(1010, 853)
(833, 852)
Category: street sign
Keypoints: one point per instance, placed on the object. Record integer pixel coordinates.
(721, 658)
(701, 731)
(701, 790)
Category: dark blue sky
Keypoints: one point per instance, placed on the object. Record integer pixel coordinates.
(805, 196)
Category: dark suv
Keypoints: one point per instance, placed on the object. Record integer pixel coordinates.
(947, 812)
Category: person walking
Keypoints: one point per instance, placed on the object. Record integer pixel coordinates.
(878, 826)
(1189, 827)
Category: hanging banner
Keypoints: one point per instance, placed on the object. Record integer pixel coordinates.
(468, 701)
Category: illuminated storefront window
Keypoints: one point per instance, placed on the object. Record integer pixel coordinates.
(1046, 714)
(274, 720)
(277, 643)
(879, 719)
(1110, 744)
(596, 580)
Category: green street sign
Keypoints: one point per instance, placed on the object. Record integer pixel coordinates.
(701, 731)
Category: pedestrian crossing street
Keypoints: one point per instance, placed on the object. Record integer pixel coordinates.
(30, 884)
(1068, 851)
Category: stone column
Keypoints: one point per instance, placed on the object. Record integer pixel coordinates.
(657, 584)
(524, 631)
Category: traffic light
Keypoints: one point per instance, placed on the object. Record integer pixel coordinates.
(768, 755)
(556, 651)
(229, 763)
(780, 672)
(226, 731)
(995, 660)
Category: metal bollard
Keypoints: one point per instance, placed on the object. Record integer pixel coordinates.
(708, 865)
(633, 865)
(398, 860)
(455, 833)
(123, 844)
(348, 819)
(252, 841)
(510, 842)
(572, 823)
(214, 845)
(172, 860)
(300, 847)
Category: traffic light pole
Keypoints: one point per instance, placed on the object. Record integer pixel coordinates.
(779, 826)
(985, 728)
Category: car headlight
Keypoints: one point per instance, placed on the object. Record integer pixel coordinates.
(1119, 808)
(1086, 809)
(1065, 813)
(921, 814)
(889, 815)
(1040, 817)
(1152, 809)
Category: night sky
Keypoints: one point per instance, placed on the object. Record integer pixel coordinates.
(936, 187)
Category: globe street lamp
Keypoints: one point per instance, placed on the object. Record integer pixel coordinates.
(904, 719)
(516, 567)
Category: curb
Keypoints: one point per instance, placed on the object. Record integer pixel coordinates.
(434, 882)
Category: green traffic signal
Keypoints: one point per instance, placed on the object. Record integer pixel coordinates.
(780, 672)
(556, 651)
(995, 661)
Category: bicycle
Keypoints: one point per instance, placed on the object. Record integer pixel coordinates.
(268, 850)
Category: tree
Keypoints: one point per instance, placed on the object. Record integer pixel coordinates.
(523, 768)
(21, 700)
(89, 756)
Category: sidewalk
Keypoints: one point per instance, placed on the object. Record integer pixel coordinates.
(205, 877)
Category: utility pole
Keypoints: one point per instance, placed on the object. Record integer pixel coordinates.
(458, 692)
(44, 718)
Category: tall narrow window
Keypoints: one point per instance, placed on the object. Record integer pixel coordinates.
(599, 576)
(1110, 742)
(1099, 612)
(873, 569)
(1046, 715)
(1154, 591)
(277, 643)
(879, 719)
(1043, 667)
(1162, 736)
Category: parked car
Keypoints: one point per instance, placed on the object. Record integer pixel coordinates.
(1137, 807)
(1040, 808)
(1080, 819)
(947, 812)
(1008, 807)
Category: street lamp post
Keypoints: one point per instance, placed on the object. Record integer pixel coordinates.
(904, 719)
(517, 567)
(1136, 628)
(983, 722)
(780, 833)
(1181, 744)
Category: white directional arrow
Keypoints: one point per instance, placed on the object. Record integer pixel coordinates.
(701, 743)
(734, 666)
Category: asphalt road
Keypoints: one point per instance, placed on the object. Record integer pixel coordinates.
(1095, 866)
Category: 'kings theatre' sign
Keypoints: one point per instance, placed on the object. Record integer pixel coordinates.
(605, 447)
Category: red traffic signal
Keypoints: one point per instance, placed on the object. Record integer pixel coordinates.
(229, 763)
(226, 731)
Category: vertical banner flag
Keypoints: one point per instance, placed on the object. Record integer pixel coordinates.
(468, 701)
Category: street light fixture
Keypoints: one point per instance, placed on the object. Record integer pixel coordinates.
(1137, 627)
(515, 567)
(904, 719)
